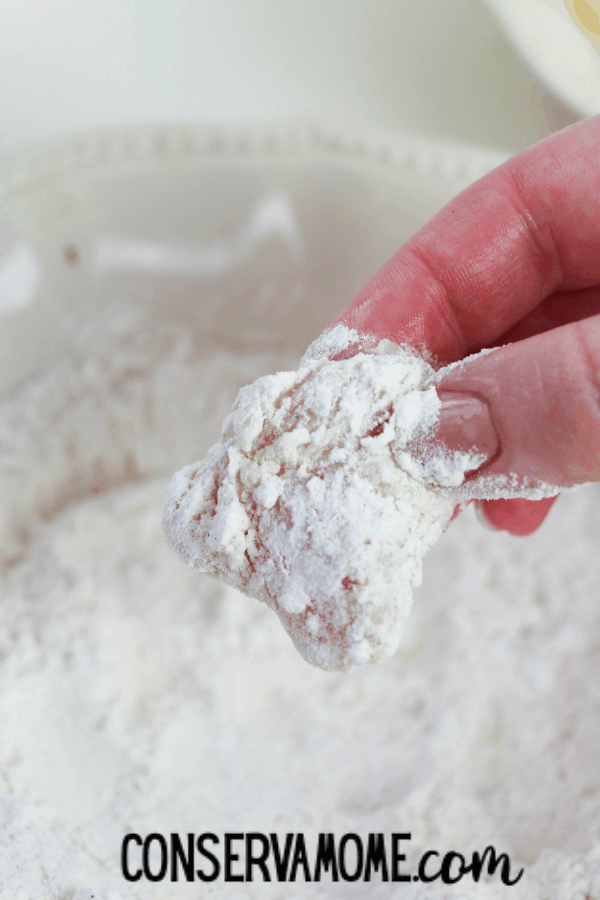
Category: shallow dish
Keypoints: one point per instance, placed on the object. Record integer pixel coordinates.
(145, 274)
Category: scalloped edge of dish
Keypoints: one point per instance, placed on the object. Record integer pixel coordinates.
(30, 168)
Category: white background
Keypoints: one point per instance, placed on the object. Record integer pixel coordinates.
(433, 67)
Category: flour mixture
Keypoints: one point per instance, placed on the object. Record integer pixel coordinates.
(137, 695)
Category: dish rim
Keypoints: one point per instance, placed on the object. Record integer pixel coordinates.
(32, 167)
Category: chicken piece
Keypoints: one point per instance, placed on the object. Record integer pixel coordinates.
(303, 504)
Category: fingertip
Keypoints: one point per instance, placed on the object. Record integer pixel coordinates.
(518, 517)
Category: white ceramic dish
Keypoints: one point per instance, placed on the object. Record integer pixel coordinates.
(254, 238)
(174, 214)
(554, 48)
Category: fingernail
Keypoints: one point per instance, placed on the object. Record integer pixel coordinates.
(465, 424)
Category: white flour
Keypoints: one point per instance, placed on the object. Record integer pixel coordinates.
(136, 695)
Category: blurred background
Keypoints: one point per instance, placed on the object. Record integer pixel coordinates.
(459, 70)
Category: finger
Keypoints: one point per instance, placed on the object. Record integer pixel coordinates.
(523, 517)
(526, 230)
(559, 309)
(543, 396)
(519, 517)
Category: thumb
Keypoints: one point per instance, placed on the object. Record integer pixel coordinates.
(542, 396)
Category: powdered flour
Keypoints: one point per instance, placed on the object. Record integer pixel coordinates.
(136, 695)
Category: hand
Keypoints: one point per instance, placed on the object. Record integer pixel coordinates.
(514, 260)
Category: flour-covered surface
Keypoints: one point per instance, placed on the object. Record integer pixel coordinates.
(303, 505)
(137, 695)
(130, 396)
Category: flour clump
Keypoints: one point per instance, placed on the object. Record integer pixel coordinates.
(303, 504)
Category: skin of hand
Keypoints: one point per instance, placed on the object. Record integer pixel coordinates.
(512, 263)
